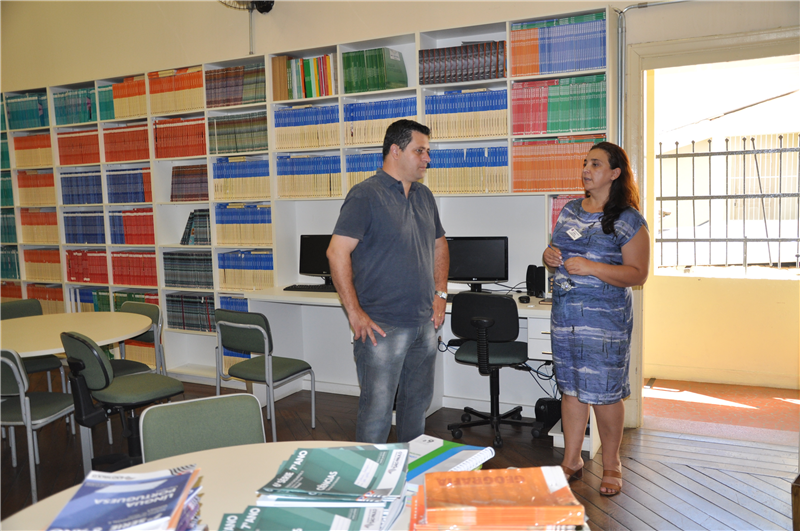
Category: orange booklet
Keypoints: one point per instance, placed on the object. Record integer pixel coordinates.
(537, 496)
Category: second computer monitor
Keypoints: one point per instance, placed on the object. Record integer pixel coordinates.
(313, 257)
(477, 260)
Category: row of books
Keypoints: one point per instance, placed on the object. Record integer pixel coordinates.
(9, 262)
(126, 143)
(123, 296)
(176, 90)
(129, 185)
(191, 311)
(550, 165)
(87, 266)
(10, 291)
(557, 204)
(81, 188)
(307, 127)
(39, 226)
(188, 269)
(93, 299)
(298, 78)
(240, 224)
(198, 228)
(8, 226)
(237, 133)
(374, 69)
(366, 122)
(134, 268)
(361, 166)
(189, 183)
(33, 151)
(35, 188)
(50, 296)
(84, 227)
(309, 176)
(246, 270)
(6, 189)
(2, 113)
(468, 171)
(559, 105)
(132, 227)
(236, 85)
(179, 137)
(42, 265)
(79, 147)
(559, 45)
(241, 178)
(125, 99)
(5, 158)
(467, 62)
(75, 106)
(27, 111)
(468, 114)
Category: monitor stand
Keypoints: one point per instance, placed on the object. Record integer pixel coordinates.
(475, 287)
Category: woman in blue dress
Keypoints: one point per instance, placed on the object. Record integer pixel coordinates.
(600, 248)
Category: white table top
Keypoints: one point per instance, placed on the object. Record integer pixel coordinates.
(230, 478)
(41, 334)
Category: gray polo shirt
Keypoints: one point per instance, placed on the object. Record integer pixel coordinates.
(393, 261)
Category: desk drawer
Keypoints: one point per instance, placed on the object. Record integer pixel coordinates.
(539, 339)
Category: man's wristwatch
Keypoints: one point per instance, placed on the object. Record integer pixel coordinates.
(441, 294)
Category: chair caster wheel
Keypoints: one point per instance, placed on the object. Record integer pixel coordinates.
(498, 442)
(466, 417)
(516, 416)
(536, 433)
(456, 434)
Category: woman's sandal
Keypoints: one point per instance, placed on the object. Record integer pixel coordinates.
(572, 474)
(612, 489)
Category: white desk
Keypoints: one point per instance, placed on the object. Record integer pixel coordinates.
(230, 478)
(41, 334)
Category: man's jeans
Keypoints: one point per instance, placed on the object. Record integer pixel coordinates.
(405, 357)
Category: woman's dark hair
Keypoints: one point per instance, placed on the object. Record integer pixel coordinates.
(624, 193)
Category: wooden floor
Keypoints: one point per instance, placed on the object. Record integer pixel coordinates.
(671, 481)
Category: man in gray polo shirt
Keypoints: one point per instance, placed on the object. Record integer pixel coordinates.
(389, 262)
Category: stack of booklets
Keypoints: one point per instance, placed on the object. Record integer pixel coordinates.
(191, 311)
(428, 454)
(507, 499)
(348, 488)
(166, 499)
(198, 228)
(375, 69)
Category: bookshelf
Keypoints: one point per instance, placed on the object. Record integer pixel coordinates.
(269, 145)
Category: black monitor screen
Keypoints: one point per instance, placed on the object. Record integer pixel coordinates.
(478, 259)
(313, 261)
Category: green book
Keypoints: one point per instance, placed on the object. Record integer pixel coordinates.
(309, 79)
(393, 69)
(256, 518)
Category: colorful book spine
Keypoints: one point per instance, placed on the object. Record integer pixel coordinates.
(551, 165)
(10, 291)
(132, 227)
(79, 147)
(566, 105)
(94, 299)
(189, 183)
(191, 311)
(374, 69)
(43, 265)
(129, 98)
(468, 171)
(238, 133)
(36, 188)
(50, 296)
(81, 188)
(84, 227)
(309, 176)
(468, 114)
(179, 137)
(241, 178)
(126, 143)
(188, 269)
(130, 185)
(131, 268)
(105, 102)
(9, 226)
(27, 111)
(468, 62)
(198, 228)
(361, 166)
(75, 106)
(177, 90)
(120, 297)
(246, 270)
(89, 267)
(307, 127)
(239, 224)
(39, 226)
(235, 85)
(33, 151)
(5, 158)
(9, 263)
(366, 122)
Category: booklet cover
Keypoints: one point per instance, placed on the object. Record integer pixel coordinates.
(431, 454)
(111, 501)
(257, 518)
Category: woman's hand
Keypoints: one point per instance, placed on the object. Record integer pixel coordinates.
(577, 265)
(552, 257)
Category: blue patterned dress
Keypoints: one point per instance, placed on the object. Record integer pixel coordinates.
(591, 321)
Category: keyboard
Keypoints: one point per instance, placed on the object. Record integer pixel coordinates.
(320, 288)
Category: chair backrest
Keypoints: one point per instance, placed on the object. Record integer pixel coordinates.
(242, 339)
(193, 425)
(500, 308)
(21, 308)
(97, 370)
(148, 310)
(13, 377)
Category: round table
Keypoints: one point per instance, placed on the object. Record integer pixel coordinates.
(230, 478)
(41, 334)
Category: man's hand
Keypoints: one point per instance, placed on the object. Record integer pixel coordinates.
(364, 327)
(439, 306)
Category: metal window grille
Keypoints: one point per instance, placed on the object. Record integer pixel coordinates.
(732, 207)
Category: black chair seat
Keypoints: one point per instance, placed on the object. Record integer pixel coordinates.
(503, 354)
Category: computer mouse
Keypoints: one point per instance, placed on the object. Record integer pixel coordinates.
(524, 299)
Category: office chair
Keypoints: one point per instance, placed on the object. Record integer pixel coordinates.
(33, 410)
(93, 379)
(490, 326)
(250, 332)
(151, 336)
(193, 425)
(46, 363)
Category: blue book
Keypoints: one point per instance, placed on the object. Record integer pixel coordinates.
(431, 454)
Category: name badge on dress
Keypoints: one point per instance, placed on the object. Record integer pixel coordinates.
(573, 233)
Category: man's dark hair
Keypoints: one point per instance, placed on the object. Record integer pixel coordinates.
(400, 133)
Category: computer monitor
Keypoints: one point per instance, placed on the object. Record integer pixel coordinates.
(313, 260)
(477, 260)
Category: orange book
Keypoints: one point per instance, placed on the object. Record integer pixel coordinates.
(537, 496)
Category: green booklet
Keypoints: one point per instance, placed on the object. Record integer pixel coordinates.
(257, 518)
(347, 472)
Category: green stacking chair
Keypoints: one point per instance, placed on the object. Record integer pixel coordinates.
(250, 332)
(193, 425)
(30, 409)
(93, 379)
(151, 336)
(46, 363)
